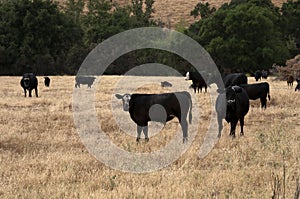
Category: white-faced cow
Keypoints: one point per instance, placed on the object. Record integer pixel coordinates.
(235, 79)
(84, 80)
(29, 82)
(158, 107)
(198, 81)
(259, 90)
(47, 81)
(234, 110)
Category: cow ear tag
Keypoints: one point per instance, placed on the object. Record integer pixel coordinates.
(236, 89)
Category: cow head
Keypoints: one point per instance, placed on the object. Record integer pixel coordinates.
(231, 96)
(26, 81)
(125, 99)
(187, 76)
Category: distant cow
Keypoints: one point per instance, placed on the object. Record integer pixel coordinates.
(29, 82)
(84, 80)
(47, 81)
(237, 106)
(165, 84)
(290, 81)
(235, 79)
(198, 81)
(264, 74)
(158, 107)
(298, 85)
(257, 75)
(259, 90)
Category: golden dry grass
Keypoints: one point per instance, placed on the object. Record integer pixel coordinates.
(41, 154)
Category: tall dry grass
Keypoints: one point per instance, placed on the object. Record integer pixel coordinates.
(41, 154)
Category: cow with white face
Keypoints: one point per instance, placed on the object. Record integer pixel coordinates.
(158, 107)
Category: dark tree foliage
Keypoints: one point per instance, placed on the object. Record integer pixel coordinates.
(242, 35)
(290, 23)
(35, 33)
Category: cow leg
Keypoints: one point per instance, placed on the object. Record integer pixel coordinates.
(263, 102)
(139, 130)
(145, 131)
(220, 124)
(25, 92)
(36, 92)
(30, 92)
(242, 125)
(184, 127)
(232, 128)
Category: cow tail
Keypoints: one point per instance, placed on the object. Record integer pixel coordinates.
(269, 93)
(191, 106)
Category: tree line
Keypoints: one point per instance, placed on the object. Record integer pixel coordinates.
(53, 39)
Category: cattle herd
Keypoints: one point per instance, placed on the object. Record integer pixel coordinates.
(164, 107)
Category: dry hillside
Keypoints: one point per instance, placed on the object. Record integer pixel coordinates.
(173, 11)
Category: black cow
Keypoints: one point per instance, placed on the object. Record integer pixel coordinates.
(257, 75)
(235, 79)
(259, 90)
(237, 106)
(47, 81)
(84, 80)
(165, 84)
(298, 85)
(29, 82)
(198, 81)
(264, 74)
(290, 80)
(158, 107)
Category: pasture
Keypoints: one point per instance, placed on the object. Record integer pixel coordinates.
(42, 156)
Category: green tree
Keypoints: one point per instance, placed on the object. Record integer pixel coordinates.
(242, 36)
(36, 33)
(290, 25)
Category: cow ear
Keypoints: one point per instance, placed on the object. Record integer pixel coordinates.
(119, 96)
(236, 89)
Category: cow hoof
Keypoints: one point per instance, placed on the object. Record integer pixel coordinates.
(185, 140)
(138, 140)
(146, 139)
(242, 134)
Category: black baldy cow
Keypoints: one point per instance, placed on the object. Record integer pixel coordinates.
(237, 106)
(198, 81)
(258, 91)
(29, 82)
(235, 79)
(158, 107)
(47, 81)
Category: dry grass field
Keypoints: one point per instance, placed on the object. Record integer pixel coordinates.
(42, 156)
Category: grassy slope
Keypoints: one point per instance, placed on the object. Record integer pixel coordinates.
(41, 155)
